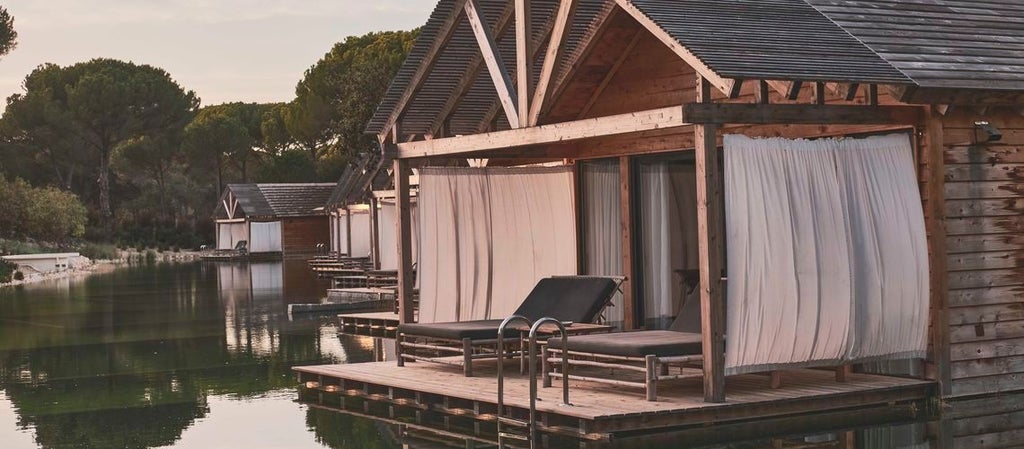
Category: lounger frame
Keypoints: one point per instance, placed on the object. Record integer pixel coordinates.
(654, 368)
(410, 347)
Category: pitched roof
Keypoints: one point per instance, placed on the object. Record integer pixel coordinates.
(281, 200)
(768, 39)
(357, 180)
(953, 44)
(963, 44)
(461, 54)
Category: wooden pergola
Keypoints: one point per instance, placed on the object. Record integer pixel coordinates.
(555, 115)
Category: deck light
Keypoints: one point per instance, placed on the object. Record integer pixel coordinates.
(991, 134)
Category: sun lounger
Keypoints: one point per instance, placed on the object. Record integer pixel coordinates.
(653, 353)
(567, 298)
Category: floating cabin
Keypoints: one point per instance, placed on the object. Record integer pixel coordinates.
(273, 219)
(725, 144)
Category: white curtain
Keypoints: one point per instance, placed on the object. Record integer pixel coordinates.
(825, 251)
(388, 241)
(602, 227)
(360, 235)
(487, 235)
(342, 234)
(265, 237)
(389, 236)
(668, 230)
(229, 234)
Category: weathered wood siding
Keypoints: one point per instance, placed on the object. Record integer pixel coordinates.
(301, 235)
(984, 223)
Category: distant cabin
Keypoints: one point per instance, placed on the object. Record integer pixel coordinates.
(273, 218)
(44, 263)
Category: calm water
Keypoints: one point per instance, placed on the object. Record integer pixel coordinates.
(184, 356)
(199, 356)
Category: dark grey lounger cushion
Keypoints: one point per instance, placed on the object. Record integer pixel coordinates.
(476, 330)
(569, 298)
(634, 344)
(576, 299)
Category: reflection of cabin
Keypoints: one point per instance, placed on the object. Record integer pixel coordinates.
(656, 108)
(273, 218)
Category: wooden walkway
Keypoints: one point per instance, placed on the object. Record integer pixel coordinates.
(597, 412)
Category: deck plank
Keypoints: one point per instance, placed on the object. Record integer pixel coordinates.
(679, 403)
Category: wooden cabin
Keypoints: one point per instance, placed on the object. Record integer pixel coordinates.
(628, 88)
(285, 219)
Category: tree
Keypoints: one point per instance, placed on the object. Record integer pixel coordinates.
(213, 138)
(104, 103)
(337, 96)
(8, 36)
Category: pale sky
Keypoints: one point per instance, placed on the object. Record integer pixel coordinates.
(224, 50)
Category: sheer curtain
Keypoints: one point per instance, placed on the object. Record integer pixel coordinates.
(815, 231)
(389, 235)
(264, 237)
(668, 230)
(488, 235)
(360, 235)
(602, 227)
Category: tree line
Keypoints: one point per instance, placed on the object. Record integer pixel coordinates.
(148, 160)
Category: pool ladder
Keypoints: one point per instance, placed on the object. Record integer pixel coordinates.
(531, 425)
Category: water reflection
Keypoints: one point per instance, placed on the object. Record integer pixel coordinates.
(134, 358)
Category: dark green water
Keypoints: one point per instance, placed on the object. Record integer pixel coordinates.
(184, 356)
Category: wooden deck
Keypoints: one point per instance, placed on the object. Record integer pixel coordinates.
(597, 412)
(374, 324)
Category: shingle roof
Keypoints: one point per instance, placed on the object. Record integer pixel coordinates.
(768, 39)
(957, 44)
(355, 181)
(281, 200)
(964, 44)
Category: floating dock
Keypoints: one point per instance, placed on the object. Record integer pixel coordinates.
(598, 413)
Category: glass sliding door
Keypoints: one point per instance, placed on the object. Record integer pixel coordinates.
(667, 228)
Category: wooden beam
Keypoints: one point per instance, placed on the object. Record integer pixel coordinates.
(611, 74)
(737, 89)
(710, 247)
(789, 90)
(348, 233)
(628, 243)
(761, 94)
(586, 46)
(403, 230)
(552, 58)
(734, 113)
(933, 155)
(545, 134)
(466, 83)
(723, 84)
(495, 65)
(819, 93)
(524, 59)
(374, 233)
(445, 32)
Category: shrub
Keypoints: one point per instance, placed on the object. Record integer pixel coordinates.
(150, 257)
(6, 270)
(40, 213)
(19, 276)
(99, 251)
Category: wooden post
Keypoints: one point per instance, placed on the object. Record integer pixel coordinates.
(524, 74)
(709, 213)
(932, 153)
(348, 232)
(403, 228)
(374, 233)
(628, 250)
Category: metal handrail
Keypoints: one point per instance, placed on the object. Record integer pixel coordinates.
(533, 372)
(501, 372)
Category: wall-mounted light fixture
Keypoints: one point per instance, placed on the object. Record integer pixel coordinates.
(985, 132)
